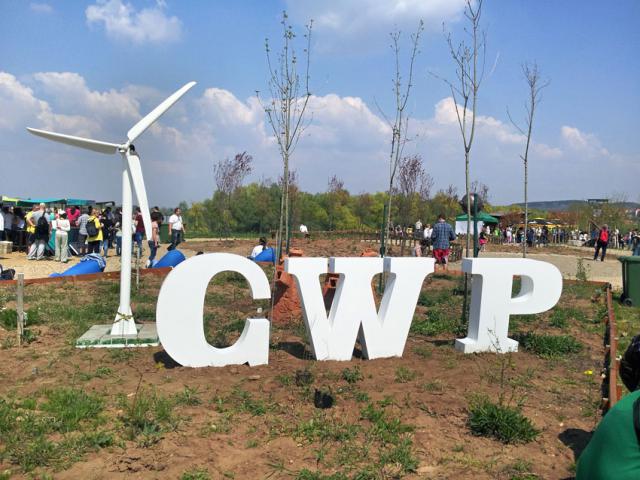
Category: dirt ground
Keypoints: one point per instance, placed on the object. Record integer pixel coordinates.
(392, 418)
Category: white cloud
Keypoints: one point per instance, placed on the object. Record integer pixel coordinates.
(345, 137)
(585, 143)
(357, 16)
(40, 7)
(123, 22)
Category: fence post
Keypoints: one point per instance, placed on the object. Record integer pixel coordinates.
(20, 308)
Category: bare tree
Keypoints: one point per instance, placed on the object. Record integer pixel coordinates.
(469, 58)
(412, 178)
(482, 189)
(531, 73)
(287, 107)
(401, 91)
(230, 173)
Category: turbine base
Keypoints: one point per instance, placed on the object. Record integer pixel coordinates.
(99, 336)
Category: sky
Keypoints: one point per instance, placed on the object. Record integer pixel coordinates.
(94, 68)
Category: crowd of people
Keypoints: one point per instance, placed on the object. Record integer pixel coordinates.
(90, 230)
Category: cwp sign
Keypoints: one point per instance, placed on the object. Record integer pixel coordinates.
(353, 314)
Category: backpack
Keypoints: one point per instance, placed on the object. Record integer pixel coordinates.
(604, 236)
(92, 230)
(7, 274)
(42, 227)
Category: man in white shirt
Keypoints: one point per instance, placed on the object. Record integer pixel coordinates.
(176, 228)
(2, 235)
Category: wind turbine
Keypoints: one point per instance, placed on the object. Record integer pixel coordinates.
(131, 174)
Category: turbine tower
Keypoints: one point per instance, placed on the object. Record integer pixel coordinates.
(131, 176)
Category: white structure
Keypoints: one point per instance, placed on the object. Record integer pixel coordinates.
(180, 307)
(492, 303)
(131, 176)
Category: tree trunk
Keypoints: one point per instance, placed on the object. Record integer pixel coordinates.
(526, 212)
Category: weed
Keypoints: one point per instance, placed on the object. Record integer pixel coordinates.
(251, 444)
(504, 423)
(549, 346)
(195, 473)
(306, 474)
(147, 414)
(404, 374)
(246, 403)
(352, 375)
(188, 396)
(424, 351)
(323, 428)
(435, 386)
(582, 271)
(436, 323)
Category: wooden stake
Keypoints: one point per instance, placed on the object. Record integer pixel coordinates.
(20, 307)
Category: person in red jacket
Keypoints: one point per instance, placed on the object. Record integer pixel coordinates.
(602, 242)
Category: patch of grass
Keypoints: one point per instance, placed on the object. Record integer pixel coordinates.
(69, 407)
(51, 433)
(352, 375)
(245, 402)
(424, 351)
(322, 427)
(9, 318)
(148, 415)
(560, 316)
(306, 474)
(435, 386)
(188, 396)
(549, 346)
(196, 473)
(501, 422)
(405, 374)
(435, 323)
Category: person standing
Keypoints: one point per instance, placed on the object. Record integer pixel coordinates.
(82, 230)
(139, 230)
(441, 236)
(63, 227)
(176, 228)
(41, 225)
(602, 241)
(94, 231)
(156, 219)
(7, 215)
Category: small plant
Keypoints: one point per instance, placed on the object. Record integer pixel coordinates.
(147, 414)
(352, 375)
(196, 473)
(582, 271)
(404, 374)
(188, 396)
(504, 423)
(549, 346)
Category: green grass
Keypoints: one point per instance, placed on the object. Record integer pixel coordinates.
(352, 375)
(405, 374)
(188, 396)
(54, 432)
(549, 346)
(501, 422)
(437, 322)
(196, 473)
(70, 407)
(147, 415)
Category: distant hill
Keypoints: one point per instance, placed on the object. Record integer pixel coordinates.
(563, 205)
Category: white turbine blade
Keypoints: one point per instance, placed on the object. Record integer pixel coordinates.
(135, 173)
(95, 145)
(146, 122)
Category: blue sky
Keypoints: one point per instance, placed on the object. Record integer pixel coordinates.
(92, 68)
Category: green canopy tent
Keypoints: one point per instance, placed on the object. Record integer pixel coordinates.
(483, 218)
